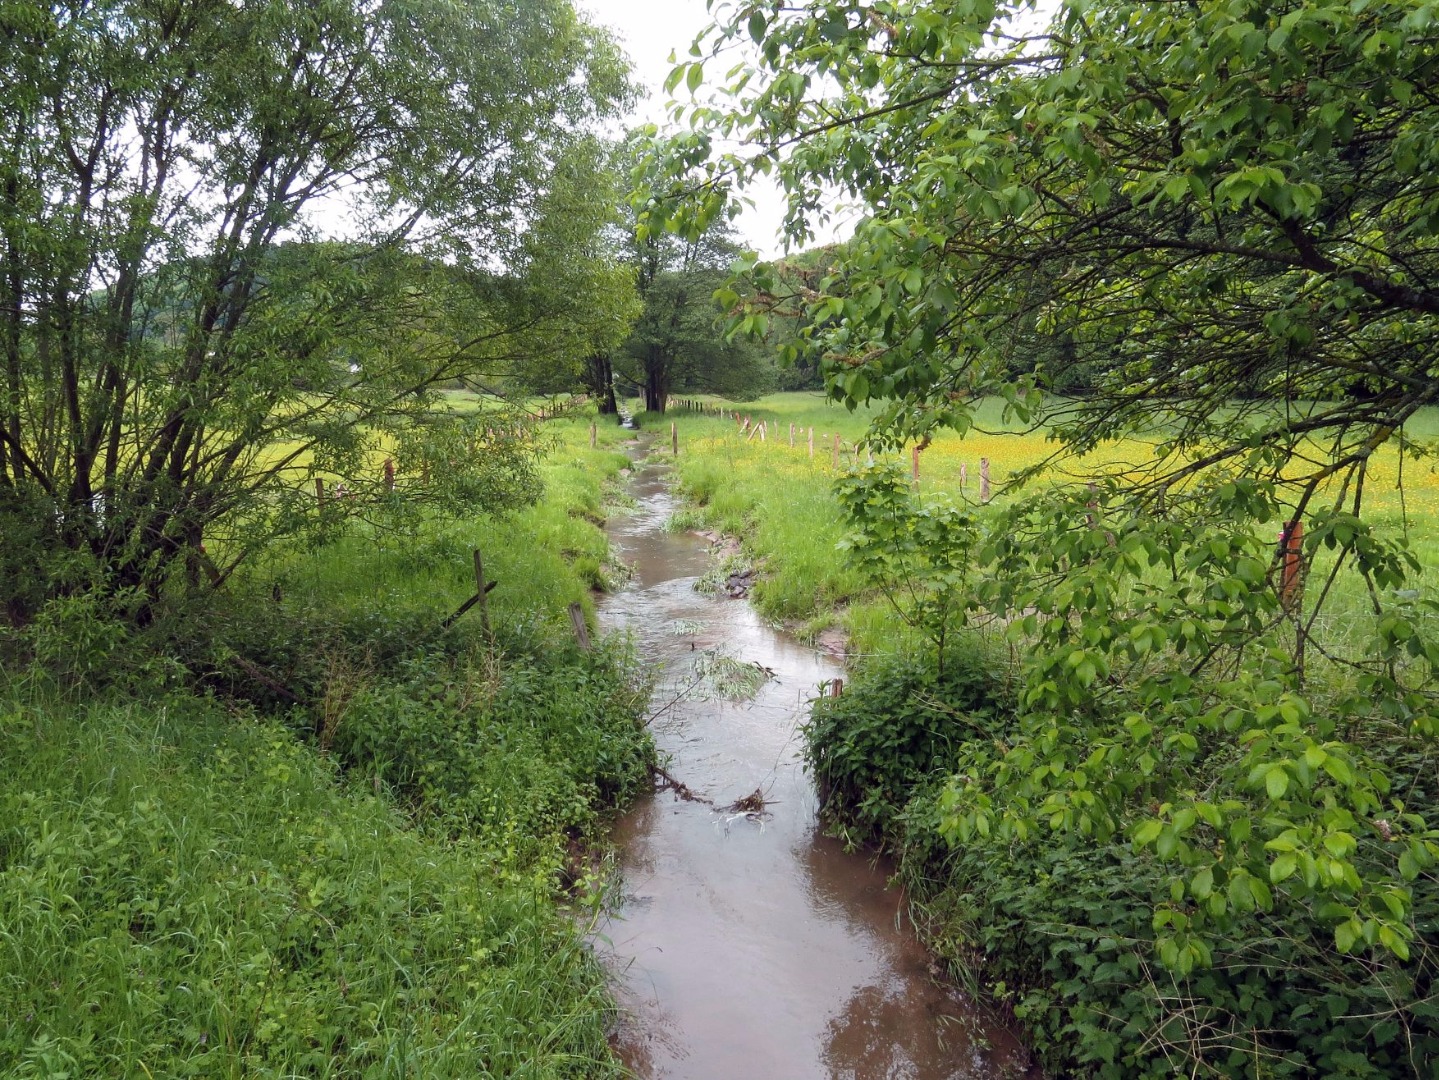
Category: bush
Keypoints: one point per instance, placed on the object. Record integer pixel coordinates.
(899, 723)
(524, 756)
(1060, 927)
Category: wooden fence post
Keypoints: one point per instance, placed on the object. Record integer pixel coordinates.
(582, 632)
(594, 434)
(481, 593)
(836, 687)
(320, 492)
(811, 442)
(791, 435)
(984, 479)
(674, 439)
(963, 475)
(389, 474)
(914, 463)
(1291, 542)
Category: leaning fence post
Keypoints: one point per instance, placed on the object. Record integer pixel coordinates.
(582, 632)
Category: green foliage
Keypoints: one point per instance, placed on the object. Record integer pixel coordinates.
(1059, 927)
(521, 760)
(1222, 211)
(187, 888)
(902, 719)
(918, 552)
(185, 892)
(240, 247)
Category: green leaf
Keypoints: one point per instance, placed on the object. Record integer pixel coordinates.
(1283, 867)
(1276, 781)
(1148, 832)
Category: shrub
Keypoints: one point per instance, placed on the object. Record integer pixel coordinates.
(1060, 927)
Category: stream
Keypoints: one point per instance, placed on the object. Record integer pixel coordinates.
(752, 945)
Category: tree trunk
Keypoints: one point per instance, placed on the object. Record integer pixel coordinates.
(608, 405)
(656, 390)
(600, 381)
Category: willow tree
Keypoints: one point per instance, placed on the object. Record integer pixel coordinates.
(1228, 212)
(242, 243)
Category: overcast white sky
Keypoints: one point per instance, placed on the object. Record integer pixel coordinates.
(649, 31)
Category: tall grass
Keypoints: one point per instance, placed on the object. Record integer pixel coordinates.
(184, 893)
(779, 499)
(348, 864)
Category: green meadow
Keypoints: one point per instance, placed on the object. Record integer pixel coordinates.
(314, 831)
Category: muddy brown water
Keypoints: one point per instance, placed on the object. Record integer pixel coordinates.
(753, 946)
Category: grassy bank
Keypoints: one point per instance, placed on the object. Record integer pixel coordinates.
(780, 499)
(305, 829)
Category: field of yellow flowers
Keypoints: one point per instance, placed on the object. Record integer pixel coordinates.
(764, 471)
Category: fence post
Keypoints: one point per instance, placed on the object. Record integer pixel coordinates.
(811, 442)
(594, 434)
(674, 439)
(389, 474)
(582, 632)
(791, 435)
(320, 492)
(984, 479)
(1291, 542)
(963, 475)
(480, 592)
(914, 463)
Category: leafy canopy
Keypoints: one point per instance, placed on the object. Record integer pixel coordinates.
(1226, 209)
(241, 244)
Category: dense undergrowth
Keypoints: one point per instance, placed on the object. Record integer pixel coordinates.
(302, 828)
(1059, 928)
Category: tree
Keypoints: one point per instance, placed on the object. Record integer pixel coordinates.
(179, 352)
(678, 342)
(1227, 210)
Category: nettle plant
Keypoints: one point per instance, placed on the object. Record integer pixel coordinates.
(917, 552)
